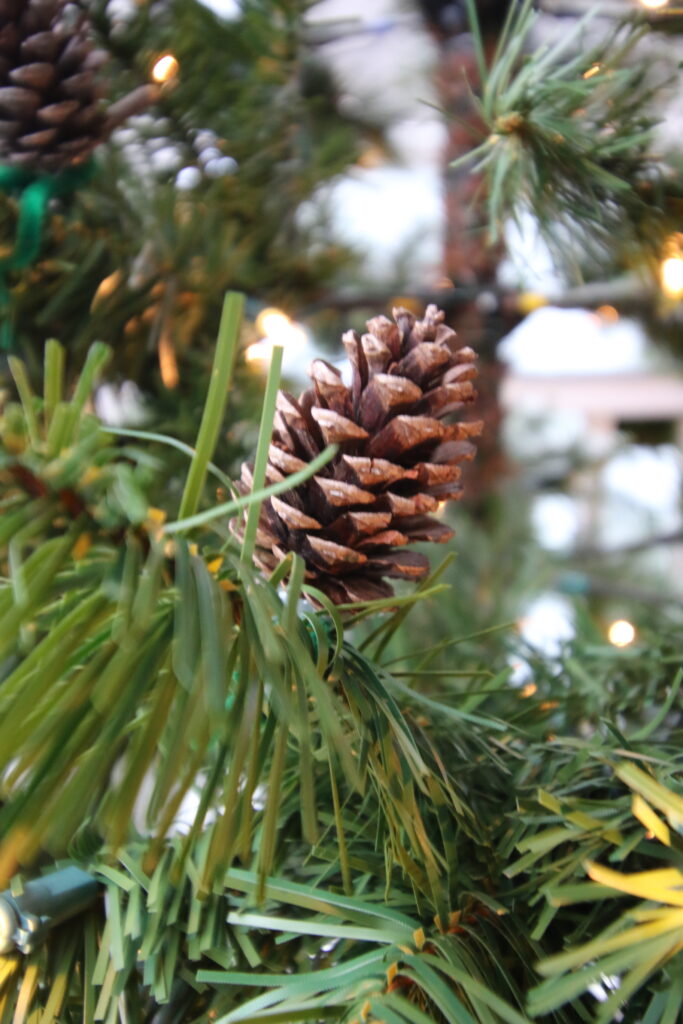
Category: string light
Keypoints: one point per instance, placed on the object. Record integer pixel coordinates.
(671, 275)
(168, 364)
(277, 329)
(592, 71)
(259, 352)
(621, 633)
(653, 5)
(671, 266)
(608, 314)
(165, 68)
(408, 302)
(529, 302)
(105, 288)
(372, 156)
(280, 329)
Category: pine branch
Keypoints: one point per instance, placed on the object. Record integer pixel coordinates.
(569, 138)
(674, 537)
(395, 833)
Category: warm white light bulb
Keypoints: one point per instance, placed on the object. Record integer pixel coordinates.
(165, 68)
(608, 314)
(260, 352)
(671, 272)
(279, 329)
(621, 633)
(654, 4)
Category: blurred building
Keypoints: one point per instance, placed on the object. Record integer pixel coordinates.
(594, 415)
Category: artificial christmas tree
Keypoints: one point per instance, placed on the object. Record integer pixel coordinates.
(248, 808)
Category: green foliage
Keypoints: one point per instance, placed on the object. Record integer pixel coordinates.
(300, 812)
(289, 827)
(133, 261)
(569, 130)
(645, 940)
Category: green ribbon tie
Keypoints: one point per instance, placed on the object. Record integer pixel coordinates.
(35, 190)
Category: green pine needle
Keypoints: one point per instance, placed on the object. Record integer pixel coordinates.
(569, 135)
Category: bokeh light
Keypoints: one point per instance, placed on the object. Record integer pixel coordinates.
(165, 68)
(621, 633)
(672, 276)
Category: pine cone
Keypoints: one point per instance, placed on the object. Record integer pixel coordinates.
(50, 112)
(398, 458)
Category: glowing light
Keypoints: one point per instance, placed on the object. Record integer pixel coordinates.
(154, 523)
(276, 329)
(372, 156)
(279, 329)
(408, 302)
(621, 633)
(259, 352)
(593, 70)
(168, 364)
(165, 68)
(529, 690)
(529, 302)
(653, 5)
(106, 287)
(608, 314)
(671, 273)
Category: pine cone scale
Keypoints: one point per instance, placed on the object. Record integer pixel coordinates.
(418, 504)
(40, 46)
(374, 472)
(352, 527)
(18, 102)
(294, 517)
(337, 429)
(79, 85)
(403, 434)
(284, 460)
(385, 396)
(425, 528)
(34, 76)
(403, 565)
(399, 458)
(333, 557)
(384, 539)
(38, 140)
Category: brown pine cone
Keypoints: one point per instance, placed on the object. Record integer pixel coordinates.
(50, 111)
(398, 458)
